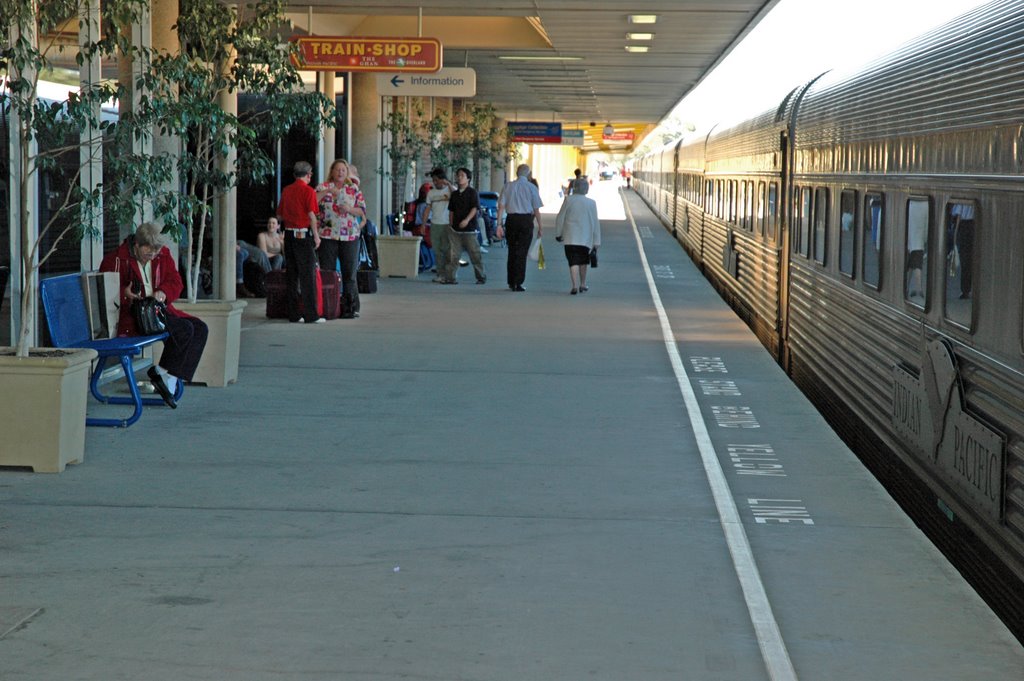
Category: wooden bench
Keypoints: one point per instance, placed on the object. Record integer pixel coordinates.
(64, 305)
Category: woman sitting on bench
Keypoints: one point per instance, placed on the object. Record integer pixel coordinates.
(147, 268)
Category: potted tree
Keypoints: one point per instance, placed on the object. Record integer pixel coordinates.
(405, 138)
(482, 139)
(43, 391)
(188, 95)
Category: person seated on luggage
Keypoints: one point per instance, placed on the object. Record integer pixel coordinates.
(146, 268)
(269, 253)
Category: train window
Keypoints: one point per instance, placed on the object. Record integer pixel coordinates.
(762, 207)
(871, 239)
(749, 221)
(741, 204)
(847, 222)
(916, 275)
(803, 237)
(731, 206)
(773, 208)
(959, 269)
(820, 224)
(709, 199)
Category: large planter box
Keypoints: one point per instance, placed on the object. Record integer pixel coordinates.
(398, 256)
(42, 408)
(219, 365)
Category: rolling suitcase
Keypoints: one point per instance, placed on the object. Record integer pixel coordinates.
(330, 293)
(328, 299)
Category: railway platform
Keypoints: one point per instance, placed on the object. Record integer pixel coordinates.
(472, 484)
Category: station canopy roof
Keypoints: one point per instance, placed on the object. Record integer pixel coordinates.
(560, 61)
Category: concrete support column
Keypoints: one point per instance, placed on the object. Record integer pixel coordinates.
(90, 150)
(328, 138)
(163, 15)
(142, 36)
(226, 213)
(365, 142)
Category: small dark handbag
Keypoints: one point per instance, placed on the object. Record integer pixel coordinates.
(593, 257)
(150, 316)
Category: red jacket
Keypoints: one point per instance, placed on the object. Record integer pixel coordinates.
(165, 278)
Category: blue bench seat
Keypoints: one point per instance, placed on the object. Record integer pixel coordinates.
(64, 306)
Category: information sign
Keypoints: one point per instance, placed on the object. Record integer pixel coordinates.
(536, 133)
(447, 82)
(572, 138)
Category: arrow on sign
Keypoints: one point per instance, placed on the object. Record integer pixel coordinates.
(396, 81)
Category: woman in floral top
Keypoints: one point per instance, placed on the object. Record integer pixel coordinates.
(342, 210)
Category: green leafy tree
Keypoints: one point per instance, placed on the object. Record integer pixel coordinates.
(223, 50)
(48, 142)
(405, 139)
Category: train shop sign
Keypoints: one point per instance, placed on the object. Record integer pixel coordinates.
(928, 413)
(398, 55)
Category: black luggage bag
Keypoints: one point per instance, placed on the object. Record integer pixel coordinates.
(366, 281)
(277, 294)
(254, 279)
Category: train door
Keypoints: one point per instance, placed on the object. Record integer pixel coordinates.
(782, 245)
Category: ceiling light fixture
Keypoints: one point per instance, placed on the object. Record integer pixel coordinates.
(608, 130)
(643, 18)
(637, 48)
(537, 58)
(639, 36)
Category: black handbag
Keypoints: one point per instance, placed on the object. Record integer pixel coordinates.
(593, 257)
(150, 316)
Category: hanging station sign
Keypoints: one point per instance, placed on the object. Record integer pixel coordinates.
(536, 132)
(396, 55)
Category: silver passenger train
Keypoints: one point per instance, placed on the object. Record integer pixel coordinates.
(870, 229)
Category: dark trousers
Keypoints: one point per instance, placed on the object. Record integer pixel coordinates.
(330, 251)
(518, 235)
(183, 348)
(300, 276)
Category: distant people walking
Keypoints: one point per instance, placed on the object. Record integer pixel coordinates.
(575, 176)
(579, 229)
(297, 210)
(464, 206)
(440, 239)
(342, 207)
(520, 199)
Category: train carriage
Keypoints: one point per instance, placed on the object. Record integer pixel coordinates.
(893, 288)
(906, 255)
(743, 185)
(689, 225)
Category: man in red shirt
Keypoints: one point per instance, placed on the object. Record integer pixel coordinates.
(297, 211)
